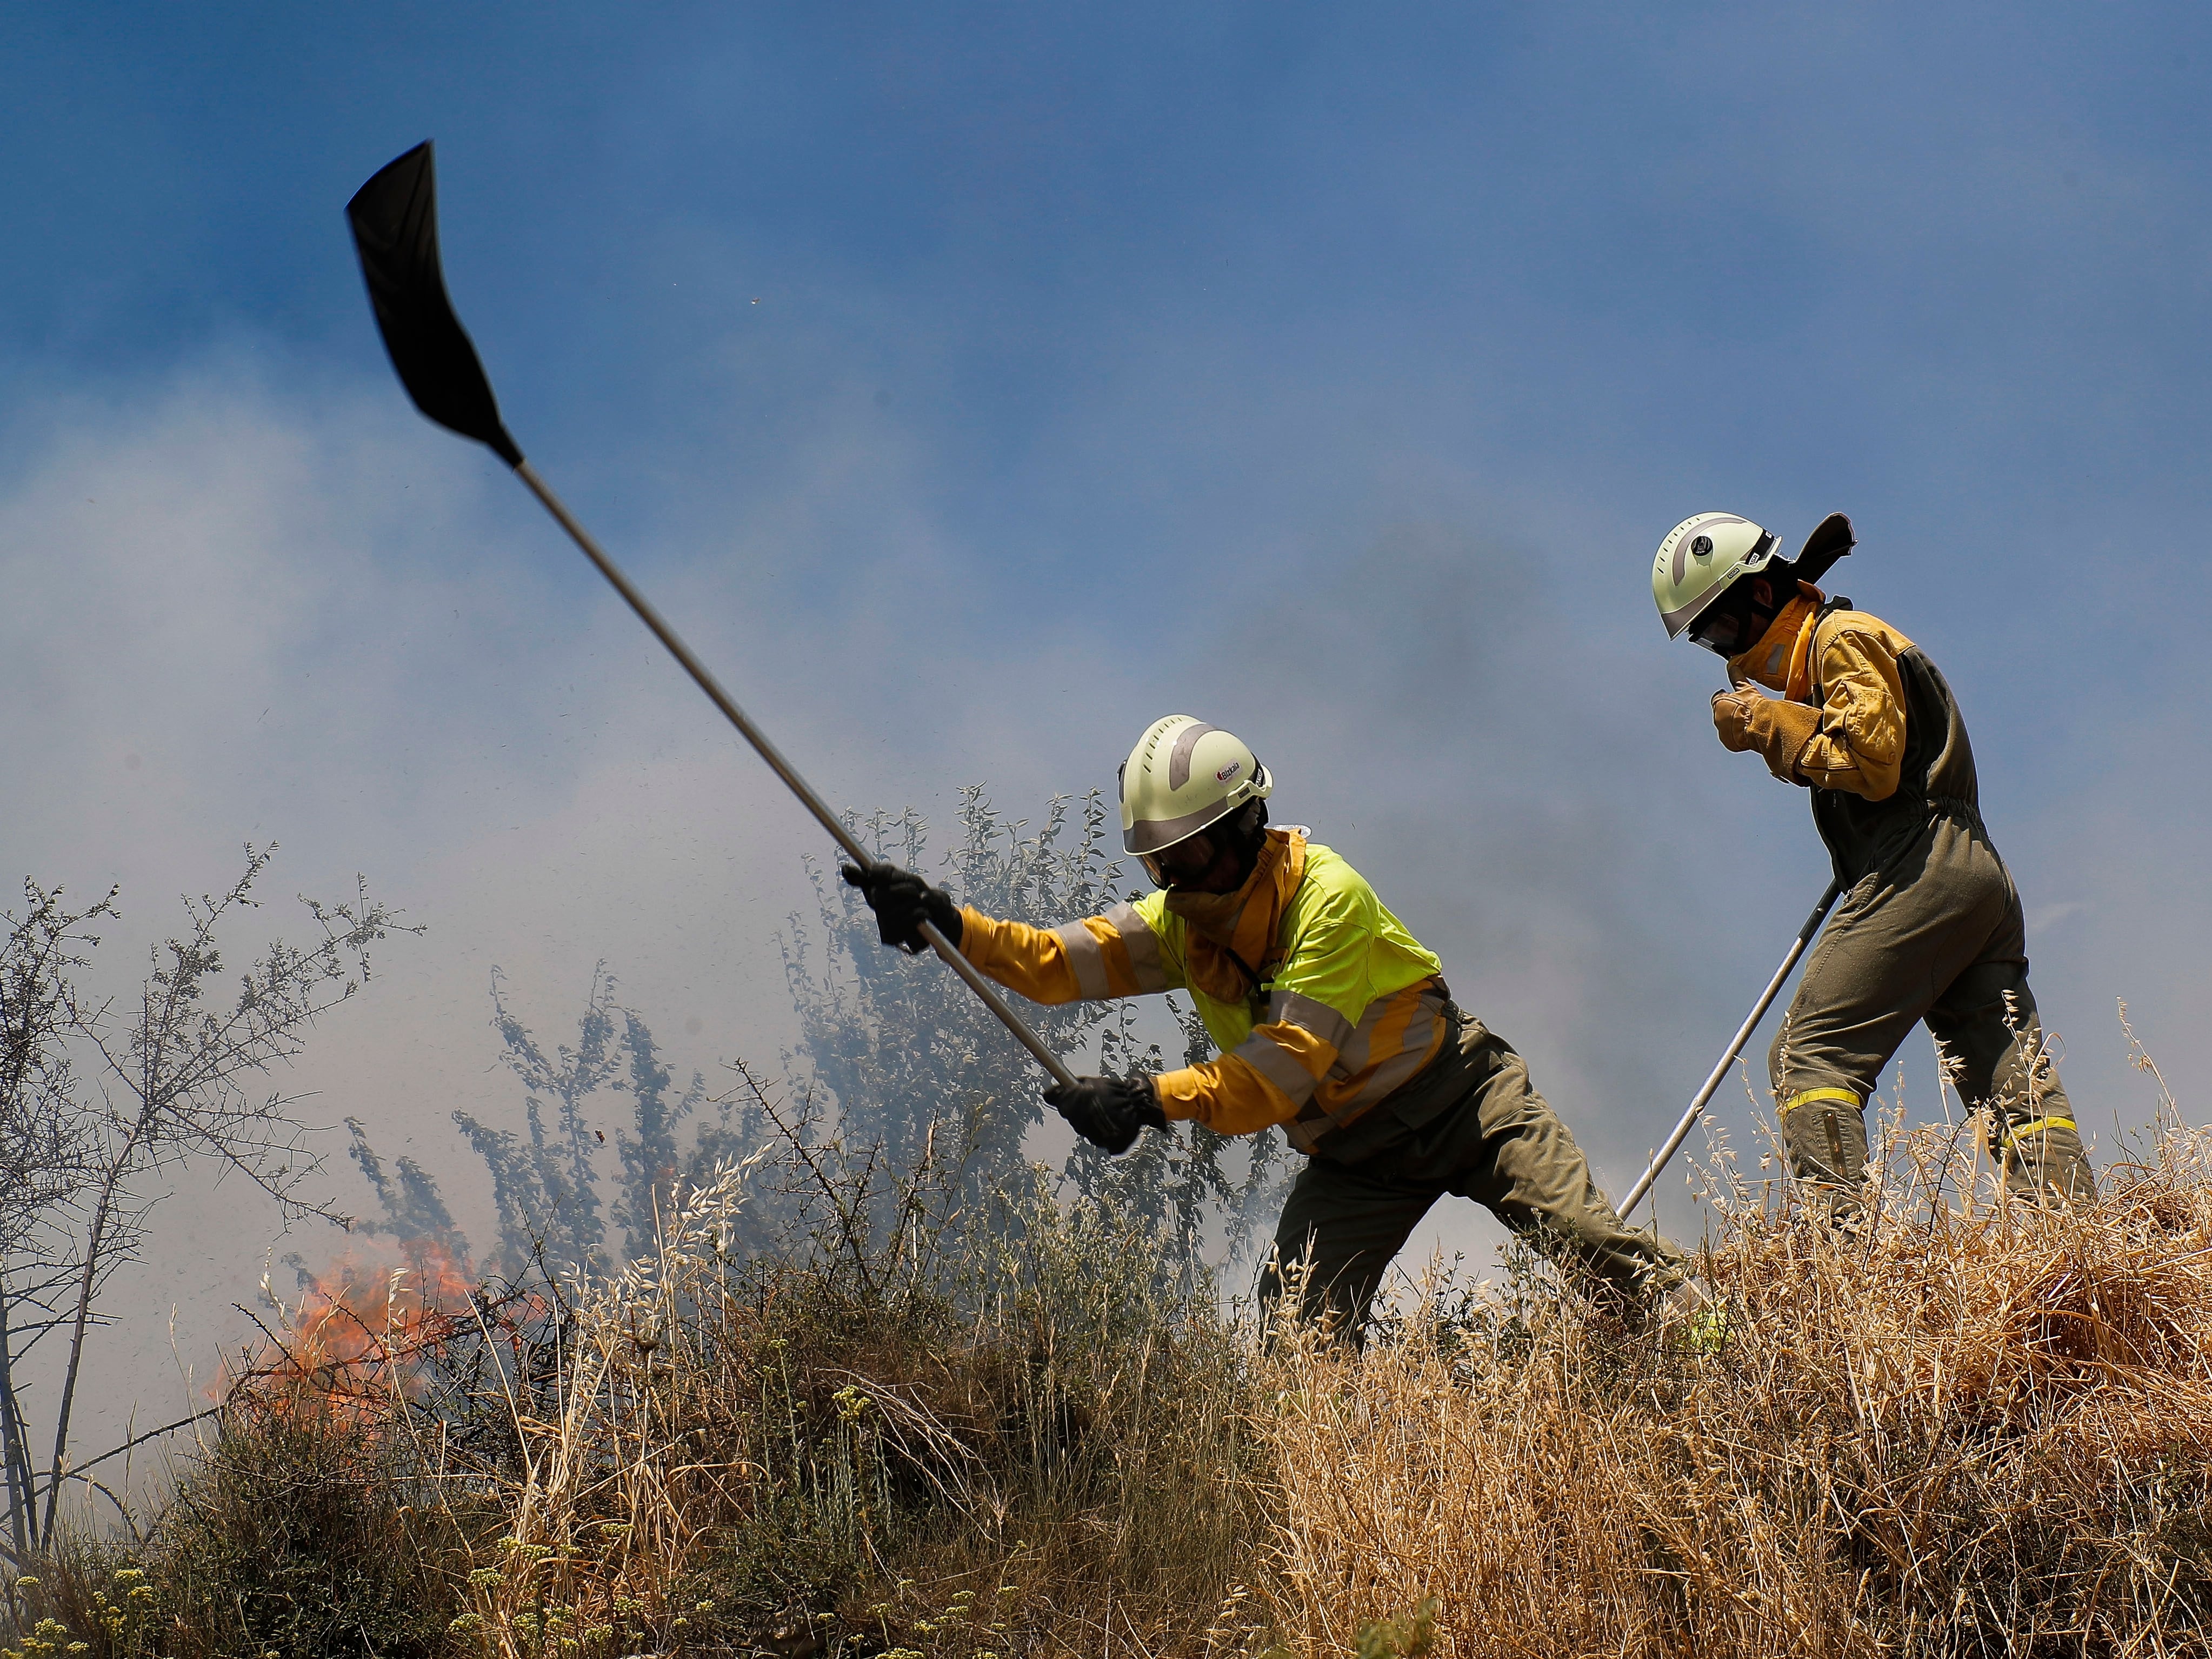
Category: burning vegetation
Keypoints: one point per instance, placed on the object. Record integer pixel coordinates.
(838, 1372)
(1970, 1429)
(369, 1324)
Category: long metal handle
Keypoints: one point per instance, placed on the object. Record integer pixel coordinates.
(783, 769)
(1666, 1153)
(982, 987)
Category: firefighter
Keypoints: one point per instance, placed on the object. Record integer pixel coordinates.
(1929, 925)
(1333, 1022)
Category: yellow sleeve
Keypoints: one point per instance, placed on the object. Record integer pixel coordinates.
(1268, 1081)
(1859, 744)
(1773, 727)
(1115, 955)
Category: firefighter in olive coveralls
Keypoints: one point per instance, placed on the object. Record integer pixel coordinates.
(1331, 1021)
(1929, 925)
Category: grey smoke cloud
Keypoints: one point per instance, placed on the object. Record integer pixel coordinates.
(240, 610)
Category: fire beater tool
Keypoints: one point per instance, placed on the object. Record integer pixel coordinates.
(395, 230)
(1661, 1158)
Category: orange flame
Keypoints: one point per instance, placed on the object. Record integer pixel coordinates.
(360, 1327)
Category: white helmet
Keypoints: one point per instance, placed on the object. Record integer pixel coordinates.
(1699, 558)
(1183, 776)
(1703, 556)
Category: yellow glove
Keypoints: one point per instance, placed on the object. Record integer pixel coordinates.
(1732, 717)
(1747, 719)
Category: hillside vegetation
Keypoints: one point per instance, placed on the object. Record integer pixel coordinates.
(1970, 1430)
(831, 1368)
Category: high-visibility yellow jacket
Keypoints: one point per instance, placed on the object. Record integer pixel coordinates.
(1320, 1001)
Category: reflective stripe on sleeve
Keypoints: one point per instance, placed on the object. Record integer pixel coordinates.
(1272, 1061)
(1087, 957)
(1143, 945)
(1115, 955)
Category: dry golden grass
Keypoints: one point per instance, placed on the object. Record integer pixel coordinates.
(832, 1455)
(1966, 1428)
(1969, 1428)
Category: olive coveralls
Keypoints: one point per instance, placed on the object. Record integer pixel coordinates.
(1334, 1024)
(1930, 927)
(1473, 1125)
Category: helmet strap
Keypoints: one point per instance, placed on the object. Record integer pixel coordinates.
(1248, 834)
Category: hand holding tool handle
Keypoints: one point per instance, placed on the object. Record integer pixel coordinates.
(395, 229)
(783, 769)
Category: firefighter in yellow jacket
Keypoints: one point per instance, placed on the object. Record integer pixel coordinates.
(1333, 1022)
(1929, 925)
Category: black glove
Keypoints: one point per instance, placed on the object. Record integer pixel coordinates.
(1108, 1111)
(903, 901)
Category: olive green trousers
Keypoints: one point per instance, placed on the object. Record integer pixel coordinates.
(1937, 936)
(1470, 1125)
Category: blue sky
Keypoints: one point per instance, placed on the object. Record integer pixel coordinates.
(975, 384)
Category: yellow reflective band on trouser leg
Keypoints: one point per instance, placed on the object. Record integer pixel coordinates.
(1806, 1096)
(2038, 1125)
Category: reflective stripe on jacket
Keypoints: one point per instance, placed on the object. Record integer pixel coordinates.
(1348, 1007)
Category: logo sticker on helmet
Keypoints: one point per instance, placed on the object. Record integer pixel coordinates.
(1228, 771)
(1703, 547)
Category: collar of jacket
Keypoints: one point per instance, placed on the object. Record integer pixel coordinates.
(1799, 686)
(1232, 935)
(1781, 660)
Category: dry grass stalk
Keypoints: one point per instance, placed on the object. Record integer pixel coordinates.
(815, 1454)
(1964, 1428)
(1958, 1430)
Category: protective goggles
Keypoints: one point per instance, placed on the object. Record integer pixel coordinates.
(1720, 630)
(1734, 624)
(1187, 860)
